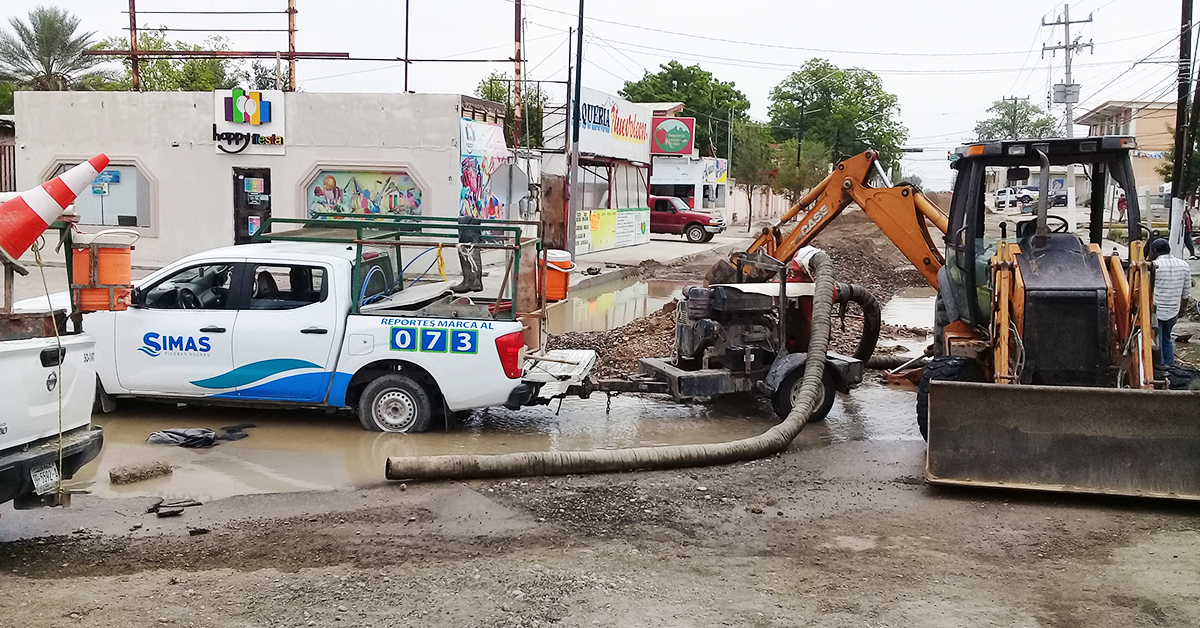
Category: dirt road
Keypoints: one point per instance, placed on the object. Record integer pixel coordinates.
(828, 534)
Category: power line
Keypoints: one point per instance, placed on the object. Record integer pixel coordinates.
(776, 46)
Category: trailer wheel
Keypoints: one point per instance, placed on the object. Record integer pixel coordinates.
(694, 233)
(788, 393)
(395, 403)
(946, 368)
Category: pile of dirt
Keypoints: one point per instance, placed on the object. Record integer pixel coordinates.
(861, 254)
(618, 350)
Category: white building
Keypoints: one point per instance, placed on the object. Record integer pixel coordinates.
(702, 182)
(196, 170)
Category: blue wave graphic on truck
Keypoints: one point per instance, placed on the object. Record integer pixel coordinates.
(153, 344)
(301, 387)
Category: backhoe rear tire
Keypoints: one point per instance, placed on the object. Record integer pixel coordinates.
(945, 368)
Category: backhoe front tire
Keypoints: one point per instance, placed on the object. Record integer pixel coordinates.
(395, 402)
(945, 368)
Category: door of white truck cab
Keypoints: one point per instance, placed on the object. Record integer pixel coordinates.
(179, 331)
(288, 332)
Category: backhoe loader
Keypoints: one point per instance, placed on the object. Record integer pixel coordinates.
(1042, 374)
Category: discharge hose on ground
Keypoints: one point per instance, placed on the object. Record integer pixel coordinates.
(774, 440)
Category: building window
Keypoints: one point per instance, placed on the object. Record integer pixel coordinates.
(118, 197)
(363, 192)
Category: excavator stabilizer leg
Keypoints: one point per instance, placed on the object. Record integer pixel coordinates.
(1066, 439)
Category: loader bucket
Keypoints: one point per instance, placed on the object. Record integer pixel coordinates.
(1068, 439)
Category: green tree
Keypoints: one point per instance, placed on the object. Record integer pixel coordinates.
(6, 97)
(753, 165)
(797, 177)
(846, 110)
(46, 53)
(497, 87)
(177, 75)
(1015, 120)
(703, 97)
(1166, 169)
(263, 75)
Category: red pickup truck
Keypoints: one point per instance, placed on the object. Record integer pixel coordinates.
(669, 214)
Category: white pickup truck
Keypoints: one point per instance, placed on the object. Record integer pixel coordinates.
(301, 324)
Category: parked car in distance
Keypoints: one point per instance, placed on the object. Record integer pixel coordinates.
(1016, 196)
(669, 214)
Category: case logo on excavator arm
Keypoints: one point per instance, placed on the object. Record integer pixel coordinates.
(814, 220)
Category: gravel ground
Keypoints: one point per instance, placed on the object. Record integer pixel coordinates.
(840, 534)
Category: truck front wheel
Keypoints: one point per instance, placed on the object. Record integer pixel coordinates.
(395, 403)
(694, 233)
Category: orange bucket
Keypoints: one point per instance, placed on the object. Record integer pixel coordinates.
(101, 269)
(558, 274)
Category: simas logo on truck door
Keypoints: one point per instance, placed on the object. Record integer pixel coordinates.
(154, 345)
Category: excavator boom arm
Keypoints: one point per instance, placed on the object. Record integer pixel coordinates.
(900, 212)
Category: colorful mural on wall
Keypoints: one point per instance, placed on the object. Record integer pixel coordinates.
(483, 152)
(358, 192)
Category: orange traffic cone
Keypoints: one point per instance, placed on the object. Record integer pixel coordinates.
(25, 217)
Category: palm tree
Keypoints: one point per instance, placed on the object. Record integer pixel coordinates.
(46, 54)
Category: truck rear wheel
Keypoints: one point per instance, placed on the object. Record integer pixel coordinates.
(395, 403)
(694, 233)
(948, 368)
(788, 393)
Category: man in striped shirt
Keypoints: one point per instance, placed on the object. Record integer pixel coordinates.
(1172, 282)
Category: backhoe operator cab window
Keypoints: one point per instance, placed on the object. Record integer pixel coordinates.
(195, 288)
(977, 222)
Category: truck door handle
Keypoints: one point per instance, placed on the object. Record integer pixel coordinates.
(212, 329)
(314, 330)
(53, 356)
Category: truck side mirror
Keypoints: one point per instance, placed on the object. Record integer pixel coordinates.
(137, 297)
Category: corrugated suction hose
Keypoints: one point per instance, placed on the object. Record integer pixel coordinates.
(872, 316)
(774, 440)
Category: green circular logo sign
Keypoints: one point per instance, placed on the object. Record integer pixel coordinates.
(672, 135)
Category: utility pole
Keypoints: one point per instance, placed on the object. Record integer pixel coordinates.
(405, 46)
(517, 76)
(136, 71)
(1068, 93)
(1181, 129)
(576, 199)
(1013, 131)
(291, 11)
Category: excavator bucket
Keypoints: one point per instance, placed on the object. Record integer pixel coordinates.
(1066, 439)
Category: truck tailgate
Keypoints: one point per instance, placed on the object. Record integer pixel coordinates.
(558, 369)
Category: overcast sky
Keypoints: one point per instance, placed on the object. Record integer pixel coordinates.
(946, 60)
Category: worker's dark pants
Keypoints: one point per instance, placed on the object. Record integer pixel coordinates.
(1187, 241)
(1166, 342)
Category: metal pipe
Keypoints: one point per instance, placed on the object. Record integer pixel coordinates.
(1043, 205)
(135, 71)
(291, 10)
(221, 54)
(406, 61)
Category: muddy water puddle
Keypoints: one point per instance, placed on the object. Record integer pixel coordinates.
(301, 450)
(612, 305)
(307, 450)
(911, 307)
